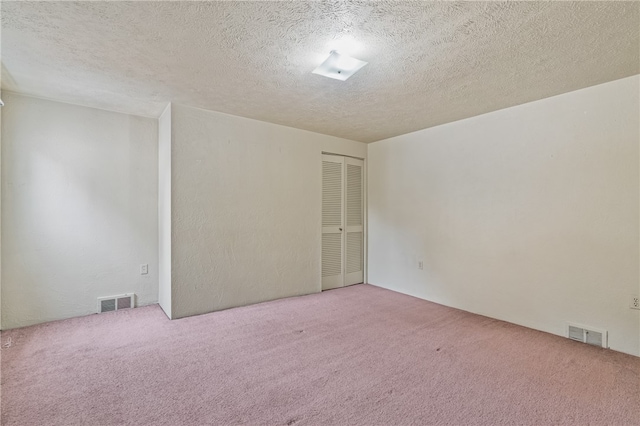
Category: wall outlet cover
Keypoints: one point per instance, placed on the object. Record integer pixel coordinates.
(635, 302)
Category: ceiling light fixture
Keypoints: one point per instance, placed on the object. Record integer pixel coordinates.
(339, 67)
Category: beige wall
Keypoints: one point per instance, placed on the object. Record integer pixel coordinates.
(245, 210)
(79, 209)
(528, 214)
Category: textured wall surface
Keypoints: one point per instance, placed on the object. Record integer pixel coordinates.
(528, 214)
(245, 210)
(0, 224)
(429, 62)
(79, 209)
(164, 211)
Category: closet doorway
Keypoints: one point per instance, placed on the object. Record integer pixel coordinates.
(342, 221)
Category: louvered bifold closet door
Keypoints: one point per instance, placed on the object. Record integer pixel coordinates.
(332, 222)
(354, 253)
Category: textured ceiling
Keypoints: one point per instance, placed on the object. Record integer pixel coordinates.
(429, 62)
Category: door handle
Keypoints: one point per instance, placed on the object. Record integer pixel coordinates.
(340, 229)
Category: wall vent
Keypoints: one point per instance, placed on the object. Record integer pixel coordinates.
(588, 335)
(115, 303)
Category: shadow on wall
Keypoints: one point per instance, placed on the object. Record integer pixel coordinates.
(80, 209)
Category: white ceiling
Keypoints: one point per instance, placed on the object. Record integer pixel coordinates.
(429, 62)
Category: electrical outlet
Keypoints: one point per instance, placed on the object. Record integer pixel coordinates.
(421, 265)
(144, 269)
(635, 302)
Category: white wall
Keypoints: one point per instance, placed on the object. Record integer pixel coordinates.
(164, 211)
(0, 223)
(528, 214)
(245, 210)
(79, 209)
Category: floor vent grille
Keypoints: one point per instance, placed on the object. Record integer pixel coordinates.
(115, 303)
(588, 335)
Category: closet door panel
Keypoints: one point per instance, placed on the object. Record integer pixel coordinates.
(332, 222)
(354, 210)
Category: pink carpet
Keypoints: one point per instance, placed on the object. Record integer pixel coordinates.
(354, 356)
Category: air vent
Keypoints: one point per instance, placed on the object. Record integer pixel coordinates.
(588, 335)
(115, 303)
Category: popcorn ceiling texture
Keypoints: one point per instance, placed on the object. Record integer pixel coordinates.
(429, 63)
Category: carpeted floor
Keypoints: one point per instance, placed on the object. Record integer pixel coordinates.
(354, 356)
